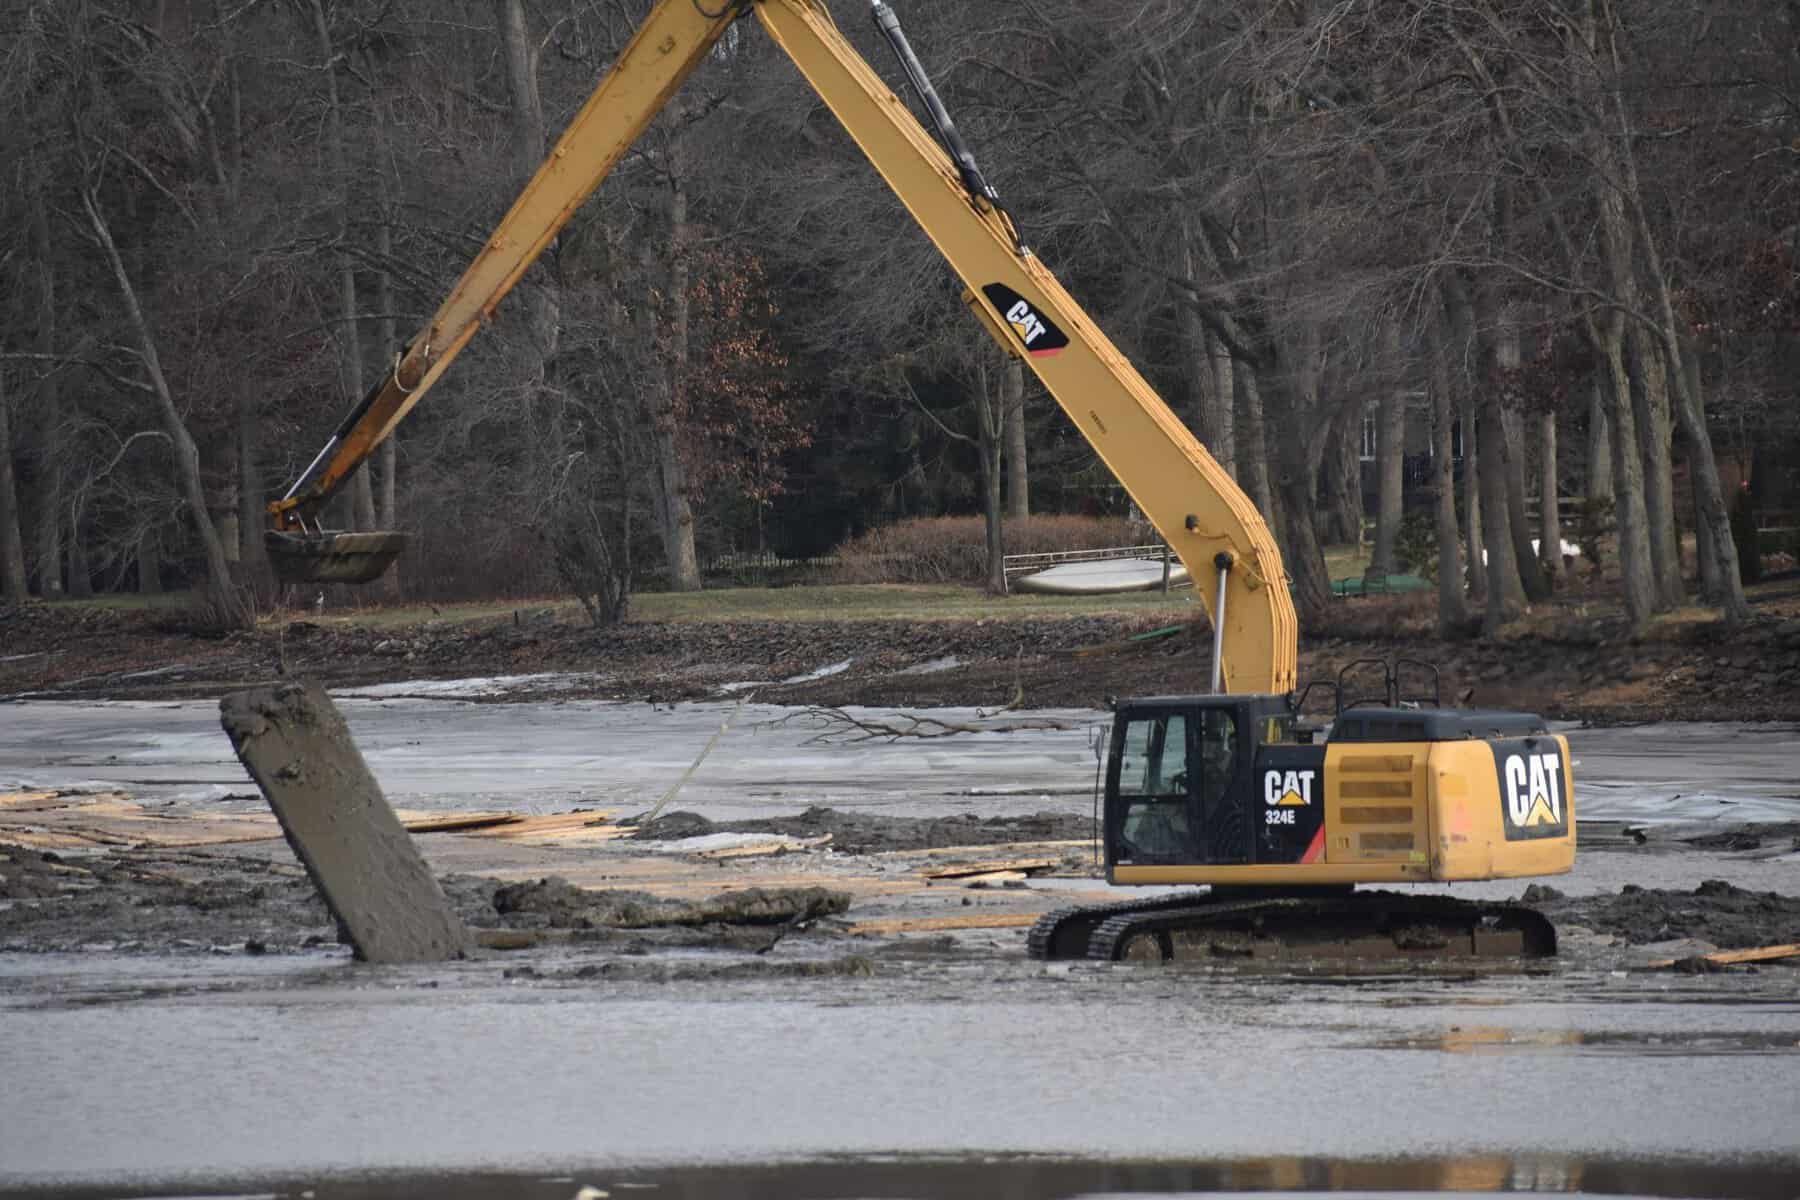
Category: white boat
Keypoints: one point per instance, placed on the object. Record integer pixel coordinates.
(1100, 576)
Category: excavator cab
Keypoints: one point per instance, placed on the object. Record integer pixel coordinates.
(1180, 773)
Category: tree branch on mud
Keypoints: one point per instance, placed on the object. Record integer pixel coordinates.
(838, 727)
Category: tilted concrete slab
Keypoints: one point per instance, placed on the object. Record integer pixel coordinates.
(294, 743)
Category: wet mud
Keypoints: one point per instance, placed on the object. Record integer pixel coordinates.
(161, 900)
(873, 833)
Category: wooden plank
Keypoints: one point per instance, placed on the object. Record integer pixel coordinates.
(1756, 954)
(764, 849)
(988, 866)
(580, 825)
(28, 801)
(295, 745)
(990, 849)
(934, 924)
(459, 822)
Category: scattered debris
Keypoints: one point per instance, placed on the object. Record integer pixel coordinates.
(779, 845)
(1022, 866)
(1724, 957)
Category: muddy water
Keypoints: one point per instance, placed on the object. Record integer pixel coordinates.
(126, 1073)
(198, 1070)
(438, 753)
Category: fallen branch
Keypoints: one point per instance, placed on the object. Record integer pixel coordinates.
(837, 726)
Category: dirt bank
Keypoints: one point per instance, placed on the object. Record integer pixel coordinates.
(1560, 662)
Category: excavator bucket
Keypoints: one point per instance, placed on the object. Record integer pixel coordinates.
(333, 557)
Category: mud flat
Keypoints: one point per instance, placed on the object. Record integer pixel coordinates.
(767, 980)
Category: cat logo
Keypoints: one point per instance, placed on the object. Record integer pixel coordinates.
(1036, 332)
(1285, 791)
(1534, 793)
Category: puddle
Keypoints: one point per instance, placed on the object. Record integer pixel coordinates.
(1031, 1178)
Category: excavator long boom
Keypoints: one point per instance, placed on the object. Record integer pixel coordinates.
(1197, 507)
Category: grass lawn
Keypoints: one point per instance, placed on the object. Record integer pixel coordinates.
(822, 602)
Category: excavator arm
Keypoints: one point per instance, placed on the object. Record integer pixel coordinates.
(1196, 506)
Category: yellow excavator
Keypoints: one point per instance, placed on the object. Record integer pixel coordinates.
(1231, 789)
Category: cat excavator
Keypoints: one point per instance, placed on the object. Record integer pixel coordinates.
(1231, 790)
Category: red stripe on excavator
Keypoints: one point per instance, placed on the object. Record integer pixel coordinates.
(1046, 353)
(1316, 851)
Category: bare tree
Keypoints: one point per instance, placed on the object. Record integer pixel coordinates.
(12, 545)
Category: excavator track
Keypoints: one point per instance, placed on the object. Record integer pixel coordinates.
(1064, 932)
(1361, 926)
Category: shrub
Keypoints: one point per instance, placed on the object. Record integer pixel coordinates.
(1416, 546)
(954, 549)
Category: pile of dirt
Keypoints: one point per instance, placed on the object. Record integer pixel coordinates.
(1717, 912)
(872, 833)
(554, 902)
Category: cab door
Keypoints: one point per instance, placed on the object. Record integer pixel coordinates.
(1220, 766)
(1176, 787)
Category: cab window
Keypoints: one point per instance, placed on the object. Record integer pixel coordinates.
(1154, 758)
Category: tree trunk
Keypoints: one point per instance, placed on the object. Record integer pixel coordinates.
(81, 573)
(1252, 449)
(253, 565)
(1453, 609)
(1518, 515)
(675, 520)
(348, 338)
(1550, 536)
(47, 489)
(1476, 544)
(1635, 583)
(525, 116)
(1505, 589)
(1390, 469)
(1209, 380)
(387, 338)
(1018, 475)
(226, 604)
(12, 541)
(991, 413)
(1706, 554)
(1650, 406)
(1304, 557)
(1341, 512)
(1710, 511)
(149, 562)
(1502, 355)
(1599, 490)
